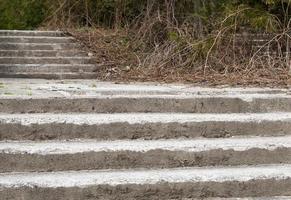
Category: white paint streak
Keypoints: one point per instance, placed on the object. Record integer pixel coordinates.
(186, 145)
(138, 118)
(119, 177)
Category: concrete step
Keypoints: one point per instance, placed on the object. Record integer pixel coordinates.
(244, 181)
(39, 96)
(141, 125)
(30, 100)
(39, 46)
(42, 53)
(5, 61)
(93, 154)
(62, 101)
(47, 68)
(35, 39)
(31, 33)
(51, 75)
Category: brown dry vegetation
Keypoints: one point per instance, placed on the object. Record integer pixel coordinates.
(120, 60)
(160, 45)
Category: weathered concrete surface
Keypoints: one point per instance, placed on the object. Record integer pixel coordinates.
(42, 53)
(141, 125)
(42, 75)
(10, 103)
(35, 39)
(194, 126)
(91, 154)
(162, 191)
(5, 61)
(29, 54)
(273, 180)
(99, 97)
(39, 46)
(31, 33)
(75, 66)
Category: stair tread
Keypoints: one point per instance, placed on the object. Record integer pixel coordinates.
(139, 89)
(47, 64)
(37, 37)
(144, 176)
(31, 33)
(139, 118)
(186, 145)
(40, 58)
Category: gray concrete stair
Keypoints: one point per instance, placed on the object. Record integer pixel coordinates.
(6, 61)
(43, 54)
(84, 139)
(47, 68)
(43, 75)
(243, 181)
(82, 96)
(66, 155)
(141, 125)
(31, 33)
(39, 46)
(35, 39)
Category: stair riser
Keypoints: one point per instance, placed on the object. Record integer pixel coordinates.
(42, 54)
(37, 46)
(124, 130)
(130, 159)
(162, 191)
(32, 33)
(35, 40)
(48, 69)
(127, 104)
(37, 60)
(50, 75)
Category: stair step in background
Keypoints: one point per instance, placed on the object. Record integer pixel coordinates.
(31, 33)
(47, 60)
(20, 51)
(46, 68)
(42, 53)
(39, 46)
(35, 39)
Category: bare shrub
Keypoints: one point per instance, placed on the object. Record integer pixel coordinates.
(209, 42)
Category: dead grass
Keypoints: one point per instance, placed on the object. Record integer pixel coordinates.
(122, 59)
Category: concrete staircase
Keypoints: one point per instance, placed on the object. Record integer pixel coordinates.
(83, 139)
(43, 54)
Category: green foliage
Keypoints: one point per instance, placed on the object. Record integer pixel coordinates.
(21, 14)
(28, 14)
(104, 13)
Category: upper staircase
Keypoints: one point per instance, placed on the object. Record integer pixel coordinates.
(43, 54)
